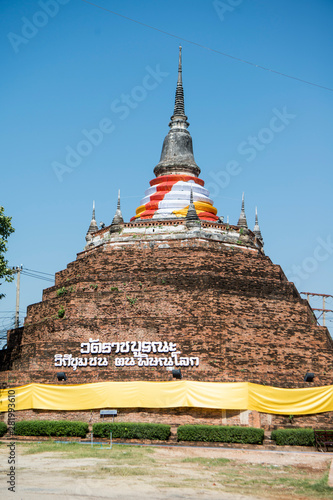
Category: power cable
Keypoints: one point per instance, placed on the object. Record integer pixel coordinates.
(39, 272)
(33, 275)
(208, 48)
(1, 312)
(37, 277)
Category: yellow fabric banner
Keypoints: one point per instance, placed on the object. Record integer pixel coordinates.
(183, 393)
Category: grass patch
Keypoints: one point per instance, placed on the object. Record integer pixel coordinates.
(181, 483)
(124, 471)
(44, 447)
(319, 488)
(289, 482)
(121, 454)
(174, 471)
(211, 462)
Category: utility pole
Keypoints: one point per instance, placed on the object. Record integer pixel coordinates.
(17, 310)
(323, 310)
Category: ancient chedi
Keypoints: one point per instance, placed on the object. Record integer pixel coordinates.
(176, 287)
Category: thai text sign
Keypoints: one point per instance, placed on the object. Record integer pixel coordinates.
(132, 353)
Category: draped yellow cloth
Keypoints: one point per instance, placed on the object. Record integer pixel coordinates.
(182, 393)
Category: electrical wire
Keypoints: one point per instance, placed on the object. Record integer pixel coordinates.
(33, 275)
(37, 277)
(208, 48)
(1, 312)
(39, 272)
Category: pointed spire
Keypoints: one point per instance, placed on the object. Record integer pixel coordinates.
(242, 222)
(192, 218)
(177, 151)
(118, 220)
(118, 202)
(179, 98)
(256, 228)
(93, 224)
(180, 81)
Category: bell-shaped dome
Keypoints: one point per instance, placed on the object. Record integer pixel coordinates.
(177, 154)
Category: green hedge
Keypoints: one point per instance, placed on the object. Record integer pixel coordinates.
(131, 430)
(3, 428)
(50, 428)
(293, 437)
(219, 433)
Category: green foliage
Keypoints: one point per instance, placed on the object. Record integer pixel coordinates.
(220, 433)
(114, 289)
(94, 286)
(121, 454)
(50, 428)
(3, 428)
(131, 301)
(61, 291)
(61, 312)
(6, 230)
(209, 462)
(293, 437)
(130, 430)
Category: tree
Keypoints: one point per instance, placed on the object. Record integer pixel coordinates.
(5, 231)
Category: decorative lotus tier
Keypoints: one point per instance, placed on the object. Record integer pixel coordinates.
(169, 197)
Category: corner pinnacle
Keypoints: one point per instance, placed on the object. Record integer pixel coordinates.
(242, 222)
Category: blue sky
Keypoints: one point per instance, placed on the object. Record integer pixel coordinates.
(68, 66)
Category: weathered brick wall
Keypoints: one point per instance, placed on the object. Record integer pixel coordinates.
(232, 308)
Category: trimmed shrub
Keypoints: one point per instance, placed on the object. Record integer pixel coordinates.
(293, 437)
(50, 428)
(3, 428)
(220, 433)
(129, 430)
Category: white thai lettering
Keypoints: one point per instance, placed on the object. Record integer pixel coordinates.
(85, 348)
(58, 360)
(93, 361)
(106, 348)
(103, 362)
(95, 347)
(140, 354)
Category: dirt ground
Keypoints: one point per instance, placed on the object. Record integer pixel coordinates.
(160, 473)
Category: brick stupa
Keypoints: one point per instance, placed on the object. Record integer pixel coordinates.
(174, 288)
